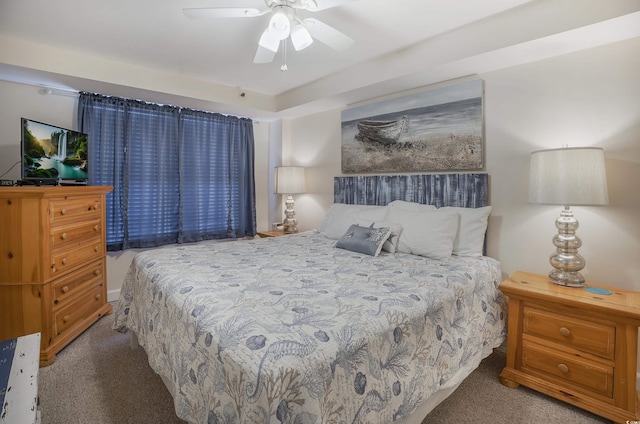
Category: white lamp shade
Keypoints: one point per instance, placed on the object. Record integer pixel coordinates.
(568, 176)
(269, 40)
(280, 24)
(300, 37)
(290, 180)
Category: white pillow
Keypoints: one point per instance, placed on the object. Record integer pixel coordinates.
(411, 206)
(471, 230)
(391, 244)
(341, 216)
(428, 233)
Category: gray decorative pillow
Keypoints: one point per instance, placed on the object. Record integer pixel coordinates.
(367, 240)
(392, 242)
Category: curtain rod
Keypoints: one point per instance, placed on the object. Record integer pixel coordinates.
(49, 91)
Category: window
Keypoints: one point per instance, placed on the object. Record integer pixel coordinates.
(179, 175)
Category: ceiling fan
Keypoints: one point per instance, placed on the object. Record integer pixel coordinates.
(283, 24)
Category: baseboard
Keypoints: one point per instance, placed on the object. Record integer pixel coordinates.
(113, 295)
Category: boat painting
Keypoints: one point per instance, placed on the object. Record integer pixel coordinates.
(441, 129)
(386, 132)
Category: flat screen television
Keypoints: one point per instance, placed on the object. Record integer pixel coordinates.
(52, 154)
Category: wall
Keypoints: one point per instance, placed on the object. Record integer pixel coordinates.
(27, 101)
(588, 98)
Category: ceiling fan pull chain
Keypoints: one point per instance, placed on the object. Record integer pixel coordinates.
(284, 68)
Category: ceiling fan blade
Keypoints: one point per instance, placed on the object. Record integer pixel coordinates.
(223, 12)
(264, 55)
(317, 5)
(328, 35)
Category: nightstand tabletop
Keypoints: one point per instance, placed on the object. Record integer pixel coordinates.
(265, 234)
(623, 302)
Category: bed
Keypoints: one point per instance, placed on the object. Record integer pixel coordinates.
(294, 330)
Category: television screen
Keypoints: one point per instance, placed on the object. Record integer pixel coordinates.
(51, 153)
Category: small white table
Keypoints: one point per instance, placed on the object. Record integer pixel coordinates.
(19, 365)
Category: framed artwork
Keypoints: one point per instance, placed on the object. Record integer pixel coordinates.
(434, 130)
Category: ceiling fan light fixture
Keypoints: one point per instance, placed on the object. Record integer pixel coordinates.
(280, 23)
(269, 40)
(300, 37)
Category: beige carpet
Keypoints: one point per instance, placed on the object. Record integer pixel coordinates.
(98, 379)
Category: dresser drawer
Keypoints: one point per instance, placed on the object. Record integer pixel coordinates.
(570, 369)
(77, 282)
(79, 309)
(74, 234)
(73, 210)
(580, 334)
(72, 258)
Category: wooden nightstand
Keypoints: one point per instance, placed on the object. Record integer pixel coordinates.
(265, 234)
(574, 345)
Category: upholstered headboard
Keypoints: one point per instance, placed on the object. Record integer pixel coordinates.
(462, 190)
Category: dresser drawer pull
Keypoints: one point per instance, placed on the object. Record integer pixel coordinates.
(563, 368)
(65, 289)
(97, 272)
(96, 249)
(565, 331)
(95, 206)
(98, 297)
(63, 211)
(66, 319)
(63, 236)
(95, 228)
(63, 261)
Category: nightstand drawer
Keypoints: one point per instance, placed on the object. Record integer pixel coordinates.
(574, 370)
(580, 334)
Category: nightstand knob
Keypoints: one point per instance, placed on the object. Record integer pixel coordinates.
(563, 368)
(565, 331)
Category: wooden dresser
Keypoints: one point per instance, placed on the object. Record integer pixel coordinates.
(574, 344)
(52, 263)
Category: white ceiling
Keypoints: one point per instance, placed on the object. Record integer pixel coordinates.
(151, 49)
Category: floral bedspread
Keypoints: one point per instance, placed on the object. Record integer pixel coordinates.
(292, 330)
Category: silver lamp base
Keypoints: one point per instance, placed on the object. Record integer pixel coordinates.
(568, 279)
(290, 222)
(566, 261)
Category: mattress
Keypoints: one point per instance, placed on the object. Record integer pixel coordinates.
(293, 330)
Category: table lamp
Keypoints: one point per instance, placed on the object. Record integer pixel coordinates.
(290, 180)
(568, 176)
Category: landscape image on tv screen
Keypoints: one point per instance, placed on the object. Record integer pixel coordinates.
(50, 152)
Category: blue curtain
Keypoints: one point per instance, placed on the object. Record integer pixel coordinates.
(179, 175)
